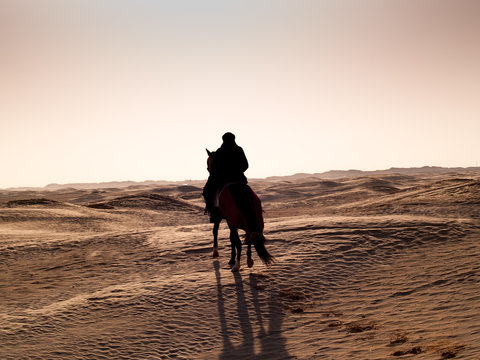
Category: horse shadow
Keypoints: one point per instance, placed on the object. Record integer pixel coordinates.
(272, 343)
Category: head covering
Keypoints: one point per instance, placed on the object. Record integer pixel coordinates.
(228, 138)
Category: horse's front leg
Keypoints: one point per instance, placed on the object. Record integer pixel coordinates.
(216, 225)
(236, 249)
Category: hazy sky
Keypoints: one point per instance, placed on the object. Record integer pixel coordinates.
(102, 90)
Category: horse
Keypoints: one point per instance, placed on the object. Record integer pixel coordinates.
(242, 209)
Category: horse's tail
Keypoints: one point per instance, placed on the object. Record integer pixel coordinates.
(258, 241)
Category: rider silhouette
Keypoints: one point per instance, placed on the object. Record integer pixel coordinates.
(228, 166)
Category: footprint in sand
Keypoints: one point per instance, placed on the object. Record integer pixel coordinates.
(452, 351)
(290, 298)
(361, 326)
(335, 324)
(445, 350)
(414, 351)
(397, 338)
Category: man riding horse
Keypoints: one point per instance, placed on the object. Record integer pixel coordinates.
(227, 167)
(227, 196)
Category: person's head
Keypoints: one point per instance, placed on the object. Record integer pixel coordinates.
(228, 138)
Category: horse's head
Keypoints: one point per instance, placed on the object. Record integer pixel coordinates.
(211, 154)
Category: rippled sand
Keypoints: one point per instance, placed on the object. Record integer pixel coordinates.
(366, 268)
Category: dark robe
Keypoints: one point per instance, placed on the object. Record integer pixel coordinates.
(228, 166)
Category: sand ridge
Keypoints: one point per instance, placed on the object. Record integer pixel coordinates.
(378, 267)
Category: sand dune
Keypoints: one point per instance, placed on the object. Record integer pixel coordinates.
(150, 201)
(372, 267)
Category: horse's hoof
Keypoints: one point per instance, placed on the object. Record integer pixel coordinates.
(250, 262)
(215, 254)
(235, 267)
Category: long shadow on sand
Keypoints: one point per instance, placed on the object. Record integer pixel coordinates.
(272, 343)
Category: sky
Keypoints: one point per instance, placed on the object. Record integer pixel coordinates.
(113, 90)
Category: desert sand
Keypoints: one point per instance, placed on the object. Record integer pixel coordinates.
(372, 267)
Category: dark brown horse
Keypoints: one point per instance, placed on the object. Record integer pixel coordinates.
(242, 209)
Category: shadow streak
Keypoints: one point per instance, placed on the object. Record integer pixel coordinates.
(272, 343)
(227, 345)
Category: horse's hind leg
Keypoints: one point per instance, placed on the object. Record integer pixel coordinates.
(236, 249)
(249, 256)
(249, 249)
(233, 248)
(216, 225)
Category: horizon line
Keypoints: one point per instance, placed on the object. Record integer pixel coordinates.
(186, 181)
